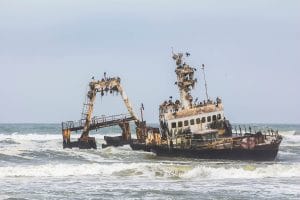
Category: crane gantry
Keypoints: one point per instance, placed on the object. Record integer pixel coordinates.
(88, 123)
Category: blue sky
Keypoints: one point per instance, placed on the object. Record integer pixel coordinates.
(49, 50)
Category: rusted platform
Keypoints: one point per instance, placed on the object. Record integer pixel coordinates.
(97, 122)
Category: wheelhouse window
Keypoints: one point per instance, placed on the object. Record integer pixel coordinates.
(203, 120)
(209, 119)
(219, 116)
(186, 123)
(174, 125)
(192, 121)
(214, 117)
(198, 121)
(179, 124)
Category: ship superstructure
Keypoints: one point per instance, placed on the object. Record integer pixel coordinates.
(189, 113)
(199, 129)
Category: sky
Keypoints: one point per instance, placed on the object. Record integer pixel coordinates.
(49, 50)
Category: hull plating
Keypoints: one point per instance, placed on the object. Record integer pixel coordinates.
(264, 153)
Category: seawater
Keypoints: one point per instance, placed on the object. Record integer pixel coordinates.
(33, 165)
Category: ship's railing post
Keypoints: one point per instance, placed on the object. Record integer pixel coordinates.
(240, 130)
(235, 130)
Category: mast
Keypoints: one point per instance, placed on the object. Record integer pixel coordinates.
(185, 80)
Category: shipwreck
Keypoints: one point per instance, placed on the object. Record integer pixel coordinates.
(187, 127)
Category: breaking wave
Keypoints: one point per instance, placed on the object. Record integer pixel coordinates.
(154, 170)
(8, 141)
(290, 139)
(245, 172)
(297, 133)
(30, 137)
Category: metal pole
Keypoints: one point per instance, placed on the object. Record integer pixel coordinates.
(142, 113)
(205, 81)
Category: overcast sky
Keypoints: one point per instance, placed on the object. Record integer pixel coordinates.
(49, 50)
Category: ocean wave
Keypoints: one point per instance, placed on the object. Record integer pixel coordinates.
(287, 153)
(154, 170)
(297, 132)
(8, 141)
(245, 172)
(287, 133)
(290, 140)
(44, 137)
(30, 136)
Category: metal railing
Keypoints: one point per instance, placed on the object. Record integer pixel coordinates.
(96, 122)
(241, 130)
